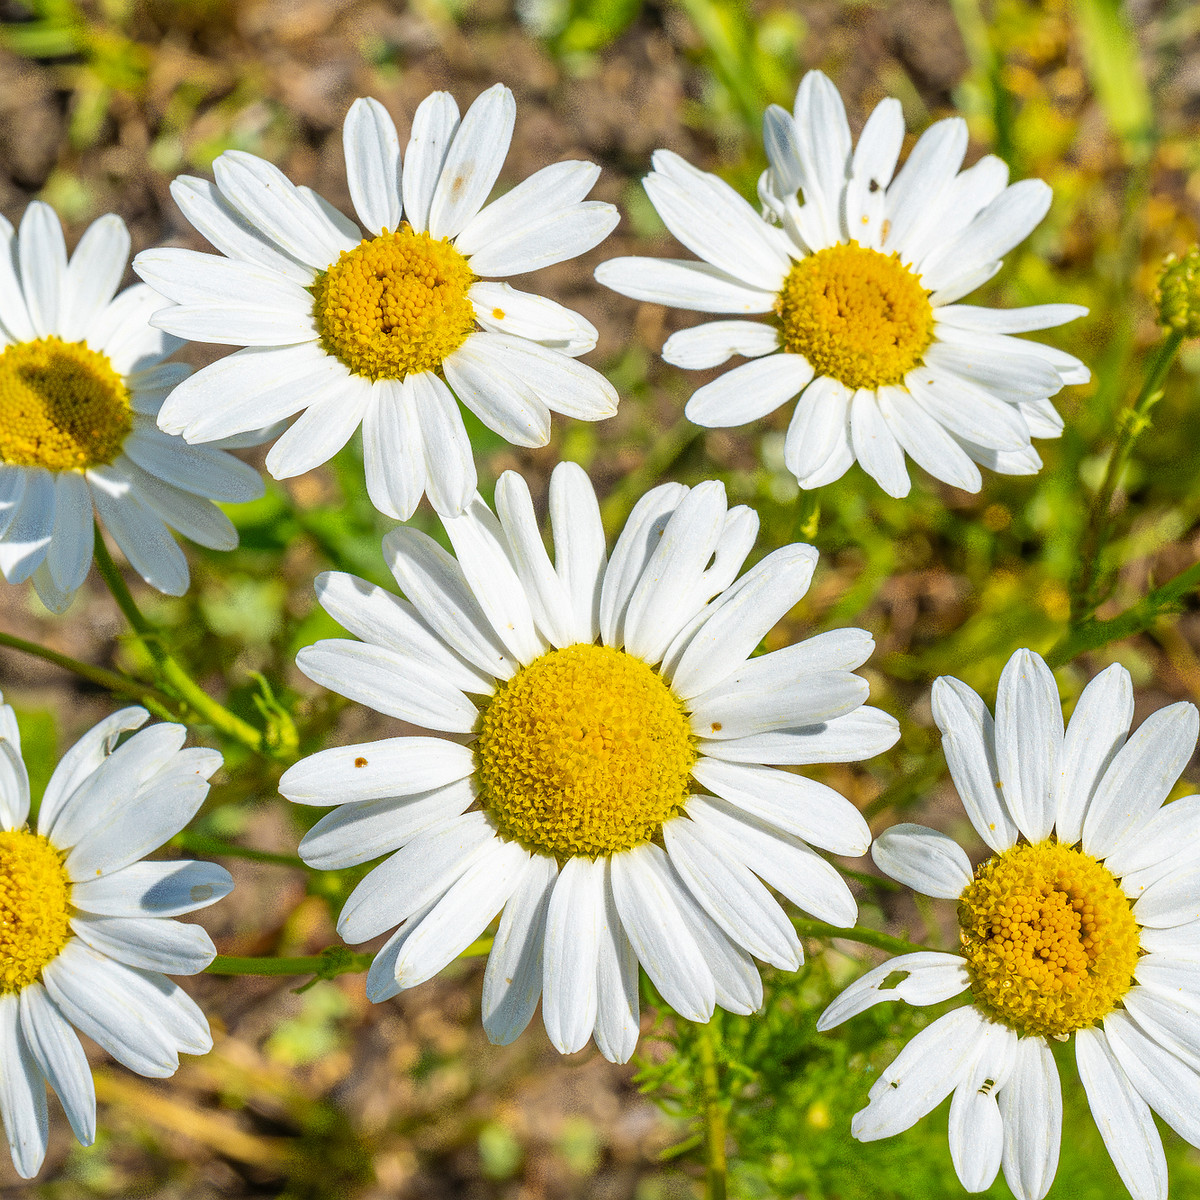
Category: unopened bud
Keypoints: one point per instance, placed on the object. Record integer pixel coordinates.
(1179, 294)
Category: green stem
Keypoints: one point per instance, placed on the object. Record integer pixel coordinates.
(112, 681)
(200, 843)
(1133, 422)
(171, 674)
(714, 1114)
(1092, 634)
(336, 960)
(868, 937)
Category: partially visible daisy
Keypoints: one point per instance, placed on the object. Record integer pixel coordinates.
(85, 934)
(386, 331)
(82, 379)
(858, 285)
(1085, 920)
(603, 768)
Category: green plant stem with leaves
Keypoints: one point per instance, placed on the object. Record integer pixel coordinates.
(172, 675)
(714, 1113)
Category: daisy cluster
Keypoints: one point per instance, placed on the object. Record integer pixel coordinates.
(607, 765)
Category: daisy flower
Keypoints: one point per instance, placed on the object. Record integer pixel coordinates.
(386, 331)
(604, 765)
(858, 284)
(84, 929)
(82, 379)
(1084, 921)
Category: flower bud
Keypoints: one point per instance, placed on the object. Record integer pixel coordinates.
(1179, 293)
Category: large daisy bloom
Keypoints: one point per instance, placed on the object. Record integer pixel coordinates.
(858, 274)
(603, 769)
(82, 379)
(387, 330)
(1084, 921)
(85, 934)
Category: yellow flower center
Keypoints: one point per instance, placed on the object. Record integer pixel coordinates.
(35, 907)
(858, 316)
(395, 305)
(62, 406)
(1050, 938)
(584, 751)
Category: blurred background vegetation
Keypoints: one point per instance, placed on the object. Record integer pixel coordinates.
(318, 1093)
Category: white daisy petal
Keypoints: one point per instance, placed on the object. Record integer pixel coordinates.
(196, 469)
(356, 832)
(1031, 1107)
(390, 682)
(736, 981)
(928, 170)
(738, 707)
(966, 411)
(1094, 737)
(927, 1070)
(550, 239)
(461, 914)
(265, 196)
(781, 861)
(42, 259)
(1009, 320)
(708, 217)
(449, 465)
(71, 543)
(925, 441)
(925, 860)
(14, 786)
(817, 447)
(1168, 1085)
(59, 1056)
(711, 344)
(500, 308)
(375, 615)
(617, 1013)
(401, 766)
(372, 149)
(811, 811)
(976, 1129)
(1004, 374)
(15, 325)
(926, 977)
(749, 391)
(418, 874)
(580, 554)
(558, 187)
(504, 400)
(1123, 1118)
(153, 889)
(22, 1094)
(643, 888)
(1168, 837)
(147, 942)
(92, 276)
(472, 161)
(569, 978)
(433, 128)
(512, 983)
(871, 171)
(142, 536)
(25, 542)
(1139, 777)
(683, 284)
(875, 445)
(1029, 740)
(1171, 900)
(323, 428)
(732, 896)
(956, 207)
(231, 233)
(760, 598)
(238, 324)
(853, 738)
(434, 583)
(191, 278)
(969, 742)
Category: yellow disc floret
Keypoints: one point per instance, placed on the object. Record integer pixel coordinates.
(395, 305)
(62, 406)
(35, 907)
(1050, 939)
(584, 751)
(858, 316)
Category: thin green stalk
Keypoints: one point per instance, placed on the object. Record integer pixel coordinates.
(714, 1114)
(331, 962)
(1133, 423)
(201, 843)
(170, 673)
(112, 681)
(868, 937)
